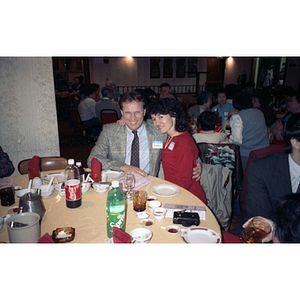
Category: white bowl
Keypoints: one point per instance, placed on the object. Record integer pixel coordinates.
(159, 213)
(173, 229)
(141, 235)
(142, 215)
(44, 192)
(85, 186)
(147, 223)
(22, 192)
(100, 187)
(152, 204)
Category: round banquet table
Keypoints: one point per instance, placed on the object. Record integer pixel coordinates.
(89, 220)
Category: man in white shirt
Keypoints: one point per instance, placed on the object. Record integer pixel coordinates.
(274, 176)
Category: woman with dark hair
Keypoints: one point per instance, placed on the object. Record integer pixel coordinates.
(179, 152)
(248, 127)
(261, 100)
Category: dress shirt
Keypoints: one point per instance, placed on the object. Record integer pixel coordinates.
(144, 148)
(294, 173)
(86, 109)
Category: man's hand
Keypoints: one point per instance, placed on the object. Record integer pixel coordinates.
(128, 169)
(197, 171)
(277, 134)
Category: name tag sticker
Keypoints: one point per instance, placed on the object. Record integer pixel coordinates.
(171, 146)
(157, 144)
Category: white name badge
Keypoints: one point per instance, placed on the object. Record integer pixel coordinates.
(157, 144)
(171, 146)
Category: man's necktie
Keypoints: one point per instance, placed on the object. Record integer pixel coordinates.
(135, 151)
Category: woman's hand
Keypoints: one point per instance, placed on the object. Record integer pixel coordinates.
(197, 171)
(121, 122)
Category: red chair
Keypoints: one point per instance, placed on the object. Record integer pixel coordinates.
(108, 116)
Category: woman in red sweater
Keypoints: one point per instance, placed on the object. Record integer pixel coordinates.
(179, 152)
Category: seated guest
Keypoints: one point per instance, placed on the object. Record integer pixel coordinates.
(261, 100)
(106, 103)
(114, 145)
(224, 108)
(207, 120)
(86, 109)
(6, 166)
(96, 90)
(203, 104)
(76, 85)
(274, 176)
(112, 86)
(179, 153)
(248, 127)
(293, 106)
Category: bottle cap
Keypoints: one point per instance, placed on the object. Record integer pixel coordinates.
(71, 161)
(115, 184)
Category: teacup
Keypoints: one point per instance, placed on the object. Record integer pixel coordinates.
(159, 213)
(152, 204)
(85, 186)
(140, 235)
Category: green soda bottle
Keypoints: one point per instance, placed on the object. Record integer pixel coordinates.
(115, 209)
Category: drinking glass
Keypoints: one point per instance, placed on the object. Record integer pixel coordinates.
(129, 183)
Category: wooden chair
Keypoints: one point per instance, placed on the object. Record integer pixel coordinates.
(46, 164)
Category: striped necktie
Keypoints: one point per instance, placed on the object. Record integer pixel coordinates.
(135, 151)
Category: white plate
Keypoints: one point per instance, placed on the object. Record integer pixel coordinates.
(200, 235)
(60, 177)
(113, 175)
(165, 190)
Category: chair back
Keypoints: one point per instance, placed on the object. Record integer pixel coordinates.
(226, 155)
(75, 118)
(46, 164)
(108, 116)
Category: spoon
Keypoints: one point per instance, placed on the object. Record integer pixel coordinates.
(29, 186)
(50, 183)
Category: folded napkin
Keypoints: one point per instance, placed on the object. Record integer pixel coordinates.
(96, 169)
(34, 163)
(46, 238)
(119, 236)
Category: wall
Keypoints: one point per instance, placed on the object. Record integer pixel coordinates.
(28, 122)
(293, 72)
(136, 71)
(234, 67)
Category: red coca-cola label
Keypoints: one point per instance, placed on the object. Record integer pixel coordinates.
(73, 191)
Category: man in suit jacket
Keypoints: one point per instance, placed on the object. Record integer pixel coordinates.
(272, 177)
(113, 148)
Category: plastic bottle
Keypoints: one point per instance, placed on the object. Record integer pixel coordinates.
(72, 185)
(81, 170)
(115, 209)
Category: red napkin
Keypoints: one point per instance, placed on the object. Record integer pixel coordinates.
(96, 169)
(46, 238)
(34, 162)
(119, 236)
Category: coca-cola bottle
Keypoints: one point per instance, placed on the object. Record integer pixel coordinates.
(72, 185)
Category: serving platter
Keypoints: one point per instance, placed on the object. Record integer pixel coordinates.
(200, 235)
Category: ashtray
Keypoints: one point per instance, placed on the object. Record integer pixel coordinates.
(146, 223)
(63, 235)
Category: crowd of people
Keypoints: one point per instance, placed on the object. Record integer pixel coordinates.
(166, 146)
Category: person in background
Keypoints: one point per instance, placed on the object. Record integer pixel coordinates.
(112, 86)
(293, 106)
(106, 103)
(224, 108)
(249, 88)
(179, 153)
(60, 84)
(6, 166)
(165, 90)
(248, 127)
(86, 109)
(76, 85)
(261, 100)
(207, 121)
(274, 176)
(203, 103)
(96, 91)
